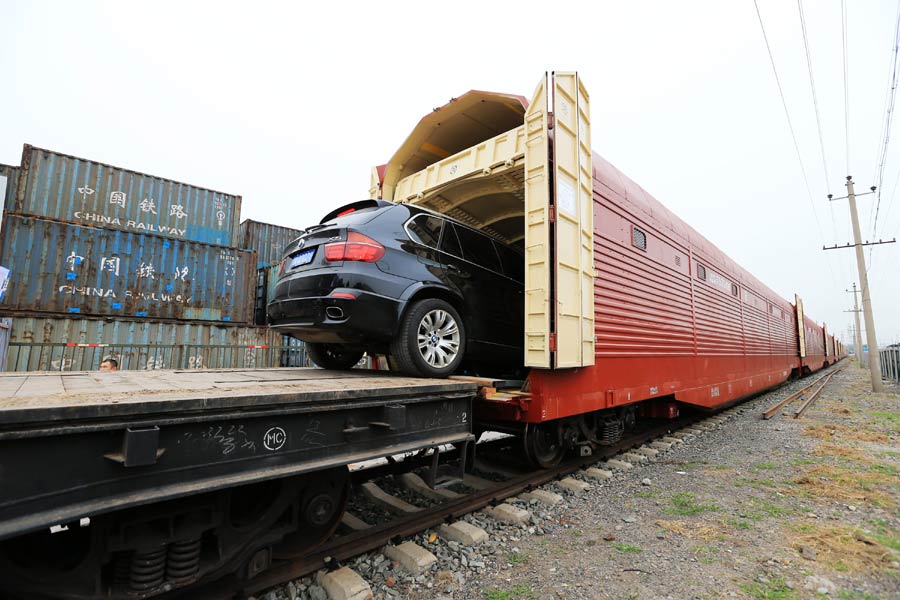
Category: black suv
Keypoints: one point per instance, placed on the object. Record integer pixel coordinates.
(386, 278)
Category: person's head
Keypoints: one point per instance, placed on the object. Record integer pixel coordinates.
(109, 364)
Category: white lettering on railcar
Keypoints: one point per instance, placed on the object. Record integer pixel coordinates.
(177, 210)
(716, 280)
(714, 392)
(274, 438)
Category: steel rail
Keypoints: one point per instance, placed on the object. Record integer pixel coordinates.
(348, 546)
(809, 401)
(772, 411)
(359, 542)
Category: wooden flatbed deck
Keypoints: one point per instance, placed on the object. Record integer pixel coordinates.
(54, 397)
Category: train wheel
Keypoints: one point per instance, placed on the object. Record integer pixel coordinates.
(321, 509)
(543, 444)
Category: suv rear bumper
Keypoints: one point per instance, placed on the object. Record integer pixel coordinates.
(369, 318)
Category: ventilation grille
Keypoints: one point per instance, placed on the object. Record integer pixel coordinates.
(639, 238)
(701, 272)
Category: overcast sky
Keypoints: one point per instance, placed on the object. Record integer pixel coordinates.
(291, 104)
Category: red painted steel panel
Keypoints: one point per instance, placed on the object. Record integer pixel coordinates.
(661, 329)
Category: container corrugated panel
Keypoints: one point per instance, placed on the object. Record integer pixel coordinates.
(40, 344)
(266, 280)
(269, 241)
(69, 269)
(5, 332)
(83, 191)
(9, 178)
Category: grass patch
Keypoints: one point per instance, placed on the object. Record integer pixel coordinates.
(854, 595)
(627, 548)
(649, 494)
(517, 558)
(764, 466)
(776, 589)
(884, 469)
(890, 419)
(694, 531)
(846, 485)
(843, 452)
(520, 591)
(850, 550)
(705, 554)
(685, 504)
(738, 523)
(760, 509)
(834, 432)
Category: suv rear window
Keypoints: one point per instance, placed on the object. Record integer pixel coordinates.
(478, 248)
(425, 230)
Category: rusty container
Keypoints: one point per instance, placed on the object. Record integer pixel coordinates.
(68, 188)
(268, 241)
(67, 269)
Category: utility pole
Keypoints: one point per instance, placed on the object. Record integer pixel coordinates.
(857, 334)
(874, 363)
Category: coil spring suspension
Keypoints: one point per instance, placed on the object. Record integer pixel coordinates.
(184, 559)
(610, 431)
(122, 568)
(148, 569)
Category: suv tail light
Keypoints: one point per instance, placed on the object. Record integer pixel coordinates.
(283, 267)
(358, 247)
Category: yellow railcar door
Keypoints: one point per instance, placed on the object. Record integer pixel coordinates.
(559, 228)
(801, 326)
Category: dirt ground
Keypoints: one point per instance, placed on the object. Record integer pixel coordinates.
(781, 509)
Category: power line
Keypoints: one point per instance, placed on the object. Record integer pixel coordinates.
(812, 85)
(787, 114)
(886, 131)
(846, 84)
(888, 121)
(892, 92)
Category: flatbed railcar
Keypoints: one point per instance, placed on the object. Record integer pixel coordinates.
(155, 480)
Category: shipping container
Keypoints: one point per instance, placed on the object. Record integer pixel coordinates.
(266, 280)
(268, 241)
(5, 332)
(74, 189)
(53, 344)
(67, 269)
(9, 177)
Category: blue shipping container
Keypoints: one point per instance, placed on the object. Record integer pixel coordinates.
(68, 269)
(74, 189)
(64, 344)
(268, 241)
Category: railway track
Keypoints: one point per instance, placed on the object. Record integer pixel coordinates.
(341, 548)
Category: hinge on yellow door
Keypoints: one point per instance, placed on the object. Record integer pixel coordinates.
(549, 120)
(551, 214)
(552, 342)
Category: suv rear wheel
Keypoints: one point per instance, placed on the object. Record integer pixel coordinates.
(431, 340)
(333, 356)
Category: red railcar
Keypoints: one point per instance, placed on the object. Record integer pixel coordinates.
(664, 319)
